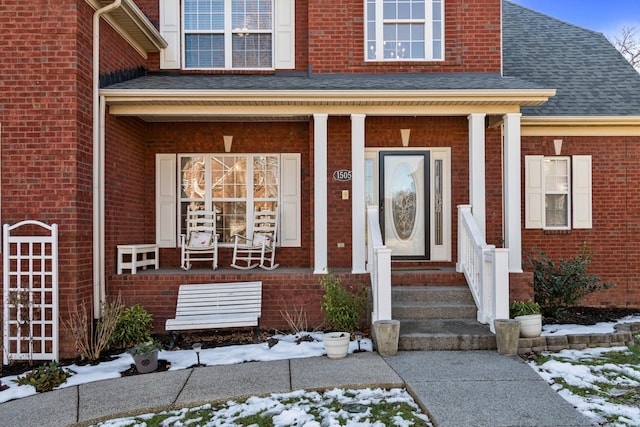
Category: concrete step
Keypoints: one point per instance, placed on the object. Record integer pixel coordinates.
(445, 334)
(440, 276)
(433, 310)
(427, 294)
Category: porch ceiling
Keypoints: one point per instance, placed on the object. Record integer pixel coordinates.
(218, 105)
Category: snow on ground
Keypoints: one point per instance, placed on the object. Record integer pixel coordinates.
(598, 328)
(287, 348)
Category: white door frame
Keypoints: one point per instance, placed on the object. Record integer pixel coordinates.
(442, 155)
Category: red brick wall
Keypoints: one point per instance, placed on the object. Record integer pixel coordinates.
(616, 215)
(472, 39)
(330, 38)
(281, 293)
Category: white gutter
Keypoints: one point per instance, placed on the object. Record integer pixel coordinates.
(99, 288)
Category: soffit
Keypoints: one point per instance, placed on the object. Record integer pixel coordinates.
(133, 25)
(156, 106)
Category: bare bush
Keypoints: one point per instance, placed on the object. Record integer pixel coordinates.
(296, 319)
(91, 343)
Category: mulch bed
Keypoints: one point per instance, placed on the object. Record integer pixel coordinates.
(226, 337)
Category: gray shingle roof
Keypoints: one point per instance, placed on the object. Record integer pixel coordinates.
(293, 81)
(540, 52)
(591, 77)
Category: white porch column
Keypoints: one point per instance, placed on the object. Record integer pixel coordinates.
(358, 246)
(477, 183)
(512, 199)
(320, 192)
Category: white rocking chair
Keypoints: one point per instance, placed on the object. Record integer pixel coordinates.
(200, 243)
(260, 249)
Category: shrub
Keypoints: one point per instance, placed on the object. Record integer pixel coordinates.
(558, 286)
(343, 307)
(144, 348)
(523, 308)
(45, 377)
(133, 326)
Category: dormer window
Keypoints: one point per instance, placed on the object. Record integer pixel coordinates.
(404, 30)
(228, 34)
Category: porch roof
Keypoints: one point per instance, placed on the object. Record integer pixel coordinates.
(173, 96)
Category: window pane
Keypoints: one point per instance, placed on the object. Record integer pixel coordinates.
(228, 177)
(252, 50)
(204, 50)
(251, 14)
(204, 15)
(404, 10)
(417, 10)
(556, 210)
(556, 175)
(193, 177)
(265, 177)
(232, 220)
(389, 9)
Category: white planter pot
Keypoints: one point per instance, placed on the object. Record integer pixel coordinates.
(336, 344)
(530, 325)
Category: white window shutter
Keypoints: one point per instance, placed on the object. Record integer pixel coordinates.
(581, 194)
(166, 199)
(285, 34)
(290, 221)
(170, 30)
(534, 191)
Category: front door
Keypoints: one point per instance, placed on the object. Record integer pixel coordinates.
(404, 203)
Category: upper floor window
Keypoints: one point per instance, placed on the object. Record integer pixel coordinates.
(398, 30)
(228, 34)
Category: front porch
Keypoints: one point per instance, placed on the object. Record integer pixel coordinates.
(446, 320)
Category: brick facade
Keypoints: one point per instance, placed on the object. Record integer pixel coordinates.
(47, 153)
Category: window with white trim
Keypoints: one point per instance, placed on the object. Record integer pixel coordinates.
(228, 34)
(558, 192)
(232, 184)
(401, 30)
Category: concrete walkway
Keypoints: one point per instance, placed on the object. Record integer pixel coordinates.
(458, 388)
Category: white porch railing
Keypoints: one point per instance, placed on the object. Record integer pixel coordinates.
(485, 267)
(379, 268)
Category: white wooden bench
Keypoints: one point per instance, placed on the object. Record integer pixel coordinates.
(217, 305)
(132, 251)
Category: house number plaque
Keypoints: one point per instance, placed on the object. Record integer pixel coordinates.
(342, 175)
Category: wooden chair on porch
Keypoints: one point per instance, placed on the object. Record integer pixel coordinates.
(200, 243)
(260, 248)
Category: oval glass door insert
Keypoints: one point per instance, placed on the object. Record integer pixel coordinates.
(403, 204)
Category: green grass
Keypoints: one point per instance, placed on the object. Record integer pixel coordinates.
(612, 377)
(324, 408)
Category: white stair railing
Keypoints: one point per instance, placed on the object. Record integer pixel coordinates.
(379, 268)
(485, 267)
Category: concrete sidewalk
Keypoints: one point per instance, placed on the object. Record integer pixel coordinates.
(459, 388)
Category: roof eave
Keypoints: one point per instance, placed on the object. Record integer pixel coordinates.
(129, 21)
(580, 125)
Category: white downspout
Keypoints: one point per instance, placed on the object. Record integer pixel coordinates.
(99, 290)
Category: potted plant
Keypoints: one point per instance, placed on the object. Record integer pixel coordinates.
(145, 356)
(529, 315)
(343, 307)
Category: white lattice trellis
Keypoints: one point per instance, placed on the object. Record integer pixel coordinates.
(30, 291)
